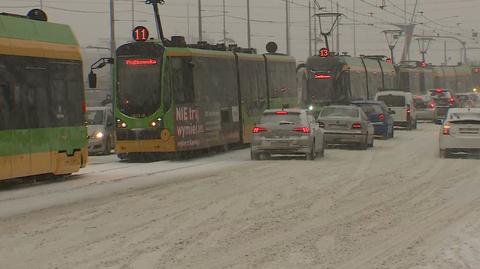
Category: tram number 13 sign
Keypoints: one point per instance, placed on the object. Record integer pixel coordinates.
(324, 52)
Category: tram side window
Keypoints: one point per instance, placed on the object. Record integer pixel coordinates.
(66, 93)
(36, 86)
(5, 98)
(182, 80)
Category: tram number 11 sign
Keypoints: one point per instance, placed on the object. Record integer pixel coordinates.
(140, 33)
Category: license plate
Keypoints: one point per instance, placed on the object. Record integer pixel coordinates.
(280, 143)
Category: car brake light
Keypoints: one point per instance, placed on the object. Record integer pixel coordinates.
(446, 129)
(381, 117)
(409, 109)
(304, 130)
(281, 112)
(439, 90)
(257, 130)
(452, 100)
(357, 125)
(431, 105)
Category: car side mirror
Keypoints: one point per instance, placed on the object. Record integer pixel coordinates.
(321, 124)
(391, 112)
(92, 80)
(439, 121)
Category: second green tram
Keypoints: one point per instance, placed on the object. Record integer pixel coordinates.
(177, 99)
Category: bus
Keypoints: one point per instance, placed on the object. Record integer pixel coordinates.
(42, 103)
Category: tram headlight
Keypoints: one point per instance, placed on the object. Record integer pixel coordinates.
(156, 123)
(121, 124)
(99, 135)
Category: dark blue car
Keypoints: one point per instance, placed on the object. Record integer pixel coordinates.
(380, 117)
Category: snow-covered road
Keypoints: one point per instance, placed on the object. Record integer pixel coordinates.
(395, 206)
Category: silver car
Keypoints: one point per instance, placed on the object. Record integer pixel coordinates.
(346, 125)
(288, 131)
(460, 133)
(100, 130)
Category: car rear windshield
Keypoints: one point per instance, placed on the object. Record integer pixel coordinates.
(442, 101)
(464, 116)
(392, 100)
(444, 94)
(340, 112)
(274, 118)
(421, 103)
(466, 122)
(371, 108)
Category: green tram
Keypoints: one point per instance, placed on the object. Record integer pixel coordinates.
(178, 98)
(42, 106)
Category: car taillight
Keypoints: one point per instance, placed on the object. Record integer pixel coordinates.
(257, 130)
(431, 105)
(452, 100)
(304, 130)
(381, 117)
(409, 109)
(446, 129)
(357, 125)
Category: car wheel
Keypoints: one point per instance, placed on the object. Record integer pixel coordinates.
(253, 155)
(311, 155)
(321, 154)
(392, 135)
(364, 145)
(415, 126)
(444, 153)
(409, 125)
(370, 145)
(108, 147)
(264, 156)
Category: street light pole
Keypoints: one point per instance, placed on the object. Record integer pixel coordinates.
(249, 33)
(287, 15)
(423, 45)
(354, 30)
(133, 14)
(392, 37)
(224, 23)
(200, 30)
(113, 45)
(309, 28)
(315, 38)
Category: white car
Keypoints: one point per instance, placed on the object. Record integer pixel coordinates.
(402, 107)
(460, 132)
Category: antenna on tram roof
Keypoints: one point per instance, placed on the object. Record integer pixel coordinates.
(155, 3)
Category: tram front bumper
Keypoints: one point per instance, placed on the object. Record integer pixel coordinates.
(145, 146)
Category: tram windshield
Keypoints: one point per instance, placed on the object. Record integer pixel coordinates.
(139, 88)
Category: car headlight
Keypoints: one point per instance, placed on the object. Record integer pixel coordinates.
(99, 135)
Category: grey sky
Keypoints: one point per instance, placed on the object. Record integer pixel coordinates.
(90, 21)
